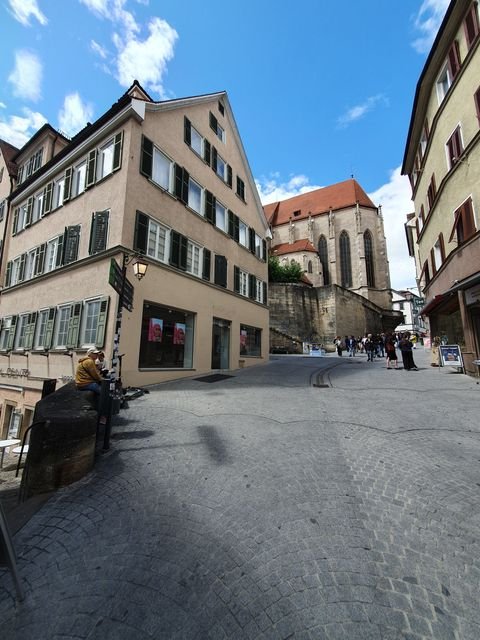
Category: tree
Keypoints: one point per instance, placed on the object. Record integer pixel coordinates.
(292, 272)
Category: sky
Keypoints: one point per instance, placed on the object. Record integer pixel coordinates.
(319, 94)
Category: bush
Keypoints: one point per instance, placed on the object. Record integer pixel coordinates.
(283, 273)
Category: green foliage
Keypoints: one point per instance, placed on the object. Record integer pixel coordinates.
(283, 273)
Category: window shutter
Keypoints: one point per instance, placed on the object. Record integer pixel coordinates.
(91, 168)
(206, 151)
(185, 181)
(102, 322)
(146, 162)
(30, 330)
(187, 131)
(49, 328)
(183, 252)
(178, 181)
(220, 270)
(21, 267)
(40, 259)
(264, 250)
(432, 260)
(264, 284)
(16, 211)
(442, 246)
(252, 286)
(67, 187)
(236, 228)
(11, 333)
(229, 176)
(467, 220)
(207, 256)
(251, 239)
(214, 159)
(454, 59)
(72, 240)
(98, 232)
(140, 239)
(47, 199)
(117, 151)
(174, 248)
(8, 273)
(236, 279)
(210, 202)
(61, 243)
(28, 215)
(231, 223)
(74, 326)
(213, 122)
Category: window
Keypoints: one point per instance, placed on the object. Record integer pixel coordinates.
(250, 341)
(33, 164)
(196, 141)
(471, 24)
(162, 170)
(30, 264)
(221, 167)
(166, 340)
(194, 263)
(369, 258)
(431, 192)
(220, 216)
(78, 179)
(219, 131)
(17, 272)
(241, 188)
(43, 329)
(243, 234)
(58, 189)
(421, 218)
(423, 141)
(438, 255)
(3, 206)
(62, 324)
(259, 247)
(94, 316)
(220, 276)
(345, 260)
(194, 196)
(7, 332)
(476, 98)
(21, 331)
(463, 223)
(243, 286)
(443, 83)
(323, 255)
(259, 287)
(454, 147)
(37, 207)
(53, 256)
(310, 267)
(157, 241)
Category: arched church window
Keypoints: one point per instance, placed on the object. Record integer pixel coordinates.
(369, 261)
(345, 260)
(323, 255)
(310, 267)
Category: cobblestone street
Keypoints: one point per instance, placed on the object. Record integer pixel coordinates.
(309, 498)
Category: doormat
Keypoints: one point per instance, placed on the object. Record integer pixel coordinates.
(215, 377)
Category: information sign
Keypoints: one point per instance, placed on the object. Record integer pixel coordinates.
(451, 355)
(117, 280)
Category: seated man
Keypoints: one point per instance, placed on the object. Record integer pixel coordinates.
(87, 377)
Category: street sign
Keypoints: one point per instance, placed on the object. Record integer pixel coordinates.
(119, 281)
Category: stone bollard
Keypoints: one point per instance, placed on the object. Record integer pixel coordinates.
(63, 450)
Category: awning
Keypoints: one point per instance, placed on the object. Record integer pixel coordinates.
(466, 283)
(425, 311)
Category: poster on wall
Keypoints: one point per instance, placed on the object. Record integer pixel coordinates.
(179, 333)
(155, 330)
(450, 355)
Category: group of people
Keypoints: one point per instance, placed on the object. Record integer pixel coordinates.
(379, 346)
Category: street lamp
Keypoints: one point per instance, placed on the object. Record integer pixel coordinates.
(139, 268)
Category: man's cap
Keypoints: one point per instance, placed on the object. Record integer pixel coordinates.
(92, 350)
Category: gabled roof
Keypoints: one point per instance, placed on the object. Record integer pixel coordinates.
(336, 196)
(9, 152)
(295, 247)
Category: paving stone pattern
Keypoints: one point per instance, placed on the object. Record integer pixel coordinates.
(264, 507)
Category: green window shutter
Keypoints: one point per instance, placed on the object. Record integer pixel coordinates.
(213, 122)
(140, 239)
(102, 322)
(146, 162)
(117, 151)
(30, 330)
(49, 329)
(185, 181)
(264, 292)
(210, 202)
(214, 159)
(61, 243)
(174, 249)
(8, 273)
(187, 130)
(236, 279)
(16, 211)
(264, 250)
(67, 188)
(207, 257)
(229, 176)
(207, 151)
(29, 212)
(251, 239)
(40, 259)
(11, 333)
(21, 267)
(47, 199)
(91, 168)
(74, 326)
(72, 240)
(231, 223)
(183, 252)
(98, 232)
(252, 286)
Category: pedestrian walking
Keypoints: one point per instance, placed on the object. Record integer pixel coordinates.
(391, 352)
(339, 345)
(369, 345)
(406, 347)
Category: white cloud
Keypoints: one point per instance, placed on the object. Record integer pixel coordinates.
(396, 199)
(3, 105)
(427, 22)
(358, 111)
(270, 190)
(74, 115)
(17, 130)
(26, 77)
(23, 9)
(98, 49)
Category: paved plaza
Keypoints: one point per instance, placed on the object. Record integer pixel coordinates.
(308, 498)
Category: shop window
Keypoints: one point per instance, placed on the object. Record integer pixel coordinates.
(166, 340)
(250, 341)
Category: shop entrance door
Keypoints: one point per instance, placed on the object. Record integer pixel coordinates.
(220, 344)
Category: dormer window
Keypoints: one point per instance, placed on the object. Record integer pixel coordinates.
(297, 213)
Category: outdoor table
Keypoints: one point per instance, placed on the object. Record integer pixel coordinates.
(4, 444)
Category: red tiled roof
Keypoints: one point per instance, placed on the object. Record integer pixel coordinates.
(305, 280)
(298, 245)
(336, 196)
